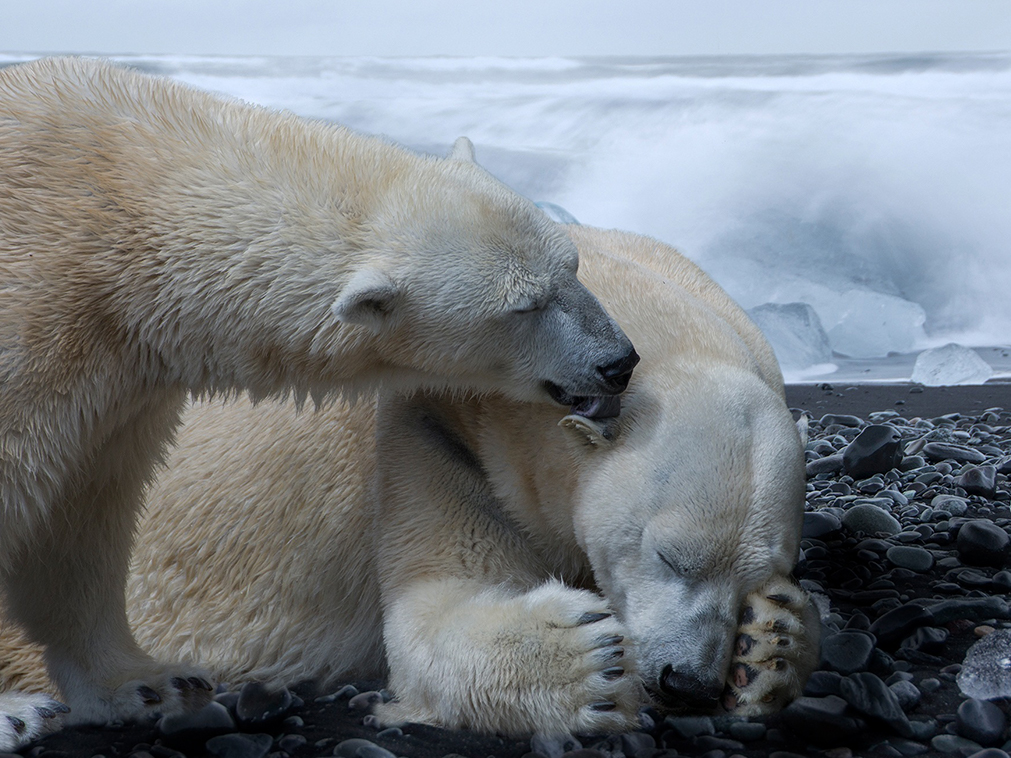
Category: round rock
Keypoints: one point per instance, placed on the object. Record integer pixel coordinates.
(978, 480)
(944, 451)
(257, 704)
(981, 721)
(212, 719)
(870, 519)
(982, 543)
(818, 523)
(846, 652)
(912, 558)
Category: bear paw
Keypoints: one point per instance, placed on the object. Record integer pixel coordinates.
(25, 717)
(585, 663)
(142, 696)
(775, 651)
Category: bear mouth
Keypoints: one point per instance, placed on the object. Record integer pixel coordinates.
(587, 406)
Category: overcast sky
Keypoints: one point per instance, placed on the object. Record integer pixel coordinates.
(503, 27)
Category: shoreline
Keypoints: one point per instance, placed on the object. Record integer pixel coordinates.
(908, 399)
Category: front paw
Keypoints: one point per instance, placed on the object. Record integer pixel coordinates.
(554, 660)
(25, 717)
(141, 696)
(775, 651)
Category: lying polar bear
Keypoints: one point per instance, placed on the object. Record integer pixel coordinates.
(508, 569)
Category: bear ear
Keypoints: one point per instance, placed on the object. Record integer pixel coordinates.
(592, 432)
(463, 151)
(366, 299)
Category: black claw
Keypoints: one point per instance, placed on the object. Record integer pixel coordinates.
(46, 713)
(780, 599)
(603, 705)
(18, 724)
(747, 615)
(181, 684)
(608, 641)
(615, 654)
(615, 672)
(60, 707)
(780, 626)
(148, 695)
(200, 683)
(592, 618)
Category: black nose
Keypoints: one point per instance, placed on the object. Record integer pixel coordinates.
(689, 690)
(618, 373)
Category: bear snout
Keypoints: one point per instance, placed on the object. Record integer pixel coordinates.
(617, 374)
(680, 688)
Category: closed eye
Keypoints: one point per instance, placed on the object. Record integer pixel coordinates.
(677, 570)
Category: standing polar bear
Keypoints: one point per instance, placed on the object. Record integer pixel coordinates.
(509, 568)
(156, 240)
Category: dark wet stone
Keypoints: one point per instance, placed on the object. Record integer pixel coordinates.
(555, 746)
(373, 751)
(687, 727)
(907, 693)
(869, 519)
(927, 639)
(830, 464)
(950, 743)
(841, 419)
(982, 543)
(978, 480)
(822, 720)
(953, 505)
(943, 451)
(818, 523)
(912, 558)
(349, 748)
(981, 721)
(872, 697)
(257, 704)
(365, 701)
(823, 683)
(637, 743)
(876, 450)
(289, 743)
(846, 652)
(894, 626)
(747, 731)
(240, 745)
(989, 752)
(212, 719)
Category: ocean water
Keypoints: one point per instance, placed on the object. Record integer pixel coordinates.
(874, 189)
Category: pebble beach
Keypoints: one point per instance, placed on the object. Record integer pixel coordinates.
(906, 547)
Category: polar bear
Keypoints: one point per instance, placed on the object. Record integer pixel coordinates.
(156, 240)
(508, 567)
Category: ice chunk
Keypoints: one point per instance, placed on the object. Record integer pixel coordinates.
(795, 333)
(872, 324)
(556, 212)
(948, 365)
(986, 670)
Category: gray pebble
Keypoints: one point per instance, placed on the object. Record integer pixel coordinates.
(950, 743)
(870, 519)
(906, 693)
(240, 745)
(943, 451)
(349, 748)
(554, 746)
(950, 504)
(821, 719)
(912, 558)
(982, 543)
(364, 701)
(687, 727)
(981, 721)
(978, 480)
(258, 704)
(872, 697)
(747, 731)
(846, 652)
(818, 523)
(213, 718)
